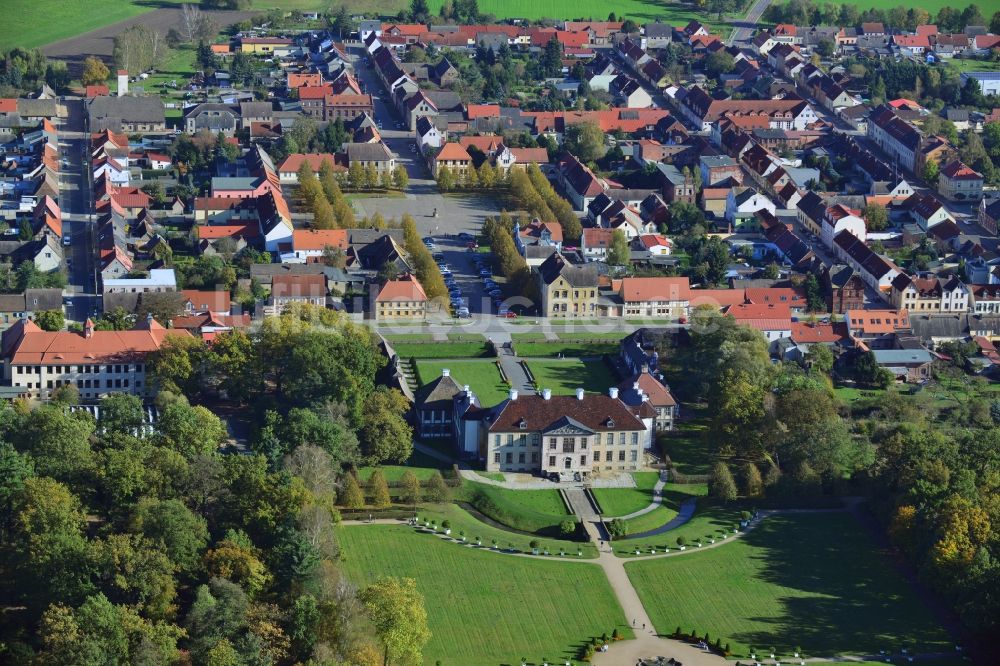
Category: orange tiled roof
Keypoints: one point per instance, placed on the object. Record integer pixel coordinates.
(318, 239)
(404, 289)
(38, 347)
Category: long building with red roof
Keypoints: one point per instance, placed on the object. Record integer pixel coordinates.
(37, 362)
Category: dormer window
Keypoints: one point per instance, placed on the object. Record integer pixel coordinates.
(610, 422)
(522, 424)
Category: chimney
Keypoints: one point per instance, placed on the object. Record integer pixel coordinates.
(579, 394)
(546, 394)
(466, 388)
(122, 82)
(445, 372)
(513, 395)
(88, 328)
(635, 386)
(613, 392)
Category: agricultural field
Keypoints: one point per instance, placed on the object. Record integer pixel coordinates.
(564, 376)
(482, 376)
(810, 581)
(31, 23)
(487, 608)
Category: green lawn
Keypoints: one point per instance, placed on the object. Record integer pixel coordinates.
(622, 501)
(814, 581)
(538, 511)
(393, 473)
(441, 349)
(486, 609)
(564, 376)
(710, 521)
(969, 65)
(481, 375)
(566, 349)
(658, 517)
(687, 445)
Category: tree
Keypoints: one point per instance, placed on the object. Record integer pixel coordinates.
(445, 179)
(351, 495)
(139, 49)
(419, 11)
(235, 559)
(15, 469)
(50, 320)
(815, 302)
(409, 488)
(435, 489)
(619, 253)
(59, 443)
(396, 609)
(386, 436)
(191, 430)
(191, 19)
(400, 178)
(721, 484)
(772, 271)
(878, 91)
(323, 217)
(585, 140)
(378, 490)
(753, 484)
(181, 533)
(877, 217)
(719, 63)
(94, 71)
(930, 173)
(820, 359)
(551, 60)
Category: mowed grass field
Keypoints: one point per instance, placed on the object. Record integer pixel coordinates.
(483, 377)
(486, 609)
(622, 501)
(811, 581)
(564, 376)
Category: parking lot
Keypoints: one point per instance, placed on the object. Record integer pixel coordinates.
(462, 271)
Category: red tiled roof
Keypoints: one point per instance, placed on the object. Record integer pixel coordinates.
(454, 151)
(215, 231)
(956, 170)
(37, 347)
(293, 162)
(655, 289)
(474, 111)
(207, 301)
(298, 286)
(404, 289)
(599, 413)
(319, 239)
(806, 333)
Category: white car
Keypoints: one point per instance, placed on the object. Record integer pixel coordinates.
(67, 240)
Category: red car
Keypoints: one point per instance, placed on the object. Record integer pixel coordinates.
(510, 315)
(472, 245)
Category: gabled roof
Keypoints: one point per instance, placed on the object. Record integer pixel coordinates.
(643, 290)
(319, 239)
(597, 413)
(453, 152)
(556, 266)
(406, 289)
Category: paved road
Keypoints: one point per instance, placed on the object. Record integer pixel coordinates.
(745, 28)
(75, 195)
(456, 212)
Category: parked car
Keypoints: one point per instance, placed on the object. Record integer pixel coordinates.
(466, 236)
(463, 313)
(67, 240)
